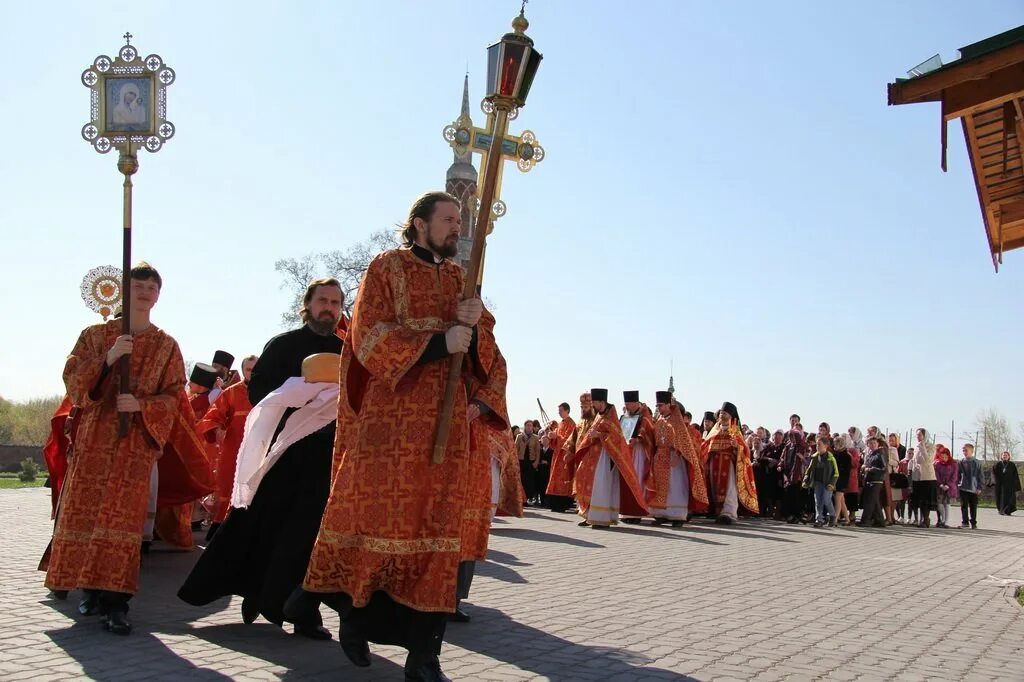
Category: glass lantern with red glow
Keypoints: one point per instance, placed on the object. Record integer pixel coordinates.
(512, 64)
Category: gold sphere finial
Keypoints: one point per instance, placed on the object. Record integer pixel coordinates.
(520, 24)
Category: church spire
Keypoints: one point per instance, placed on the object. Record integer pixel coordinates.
(462, 164)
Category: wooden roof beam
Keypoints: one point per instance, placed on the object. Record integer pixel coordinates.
(972, 153)
(929, 87)
(977, 95)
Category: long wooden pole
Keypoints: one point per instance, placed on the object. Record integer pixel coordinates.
(127, 163)
(473, 278)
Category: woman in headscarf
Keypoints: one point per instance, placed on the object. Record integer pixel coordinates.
(922, 477)
(945, 482)
(857, 439)
(1007, 483)
(794, 458)
(898, 482)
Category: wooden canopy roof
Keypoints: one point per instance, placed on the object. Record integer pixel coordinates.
(984, 88)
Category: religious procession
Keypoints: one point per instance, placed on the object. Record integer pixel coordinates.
(361, 467)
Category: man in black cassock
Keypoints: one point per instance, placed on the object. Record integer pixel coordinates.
(261, 552)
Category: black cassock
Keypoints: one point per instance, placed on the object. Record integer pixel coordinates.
(1007, 483)
(261, 553)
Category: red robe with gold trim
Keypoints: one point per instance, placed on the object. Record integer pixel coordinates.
(511, 496)
(476, 515)
(98, 534)
(63, 425)
(688, 445)
(724, 451)
(228, 412)
(394, 519)
(606, 434)
(563, 462)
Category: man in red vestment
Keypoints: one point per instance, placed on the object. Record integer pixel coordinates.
(730, 475)
(98, 535)
(605, 458)
(225, 423)
(641, 446)
(562, 462)
(388, 553)
(201, 381)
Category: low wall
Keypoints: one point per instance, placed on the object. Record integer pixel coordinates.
(11, 456)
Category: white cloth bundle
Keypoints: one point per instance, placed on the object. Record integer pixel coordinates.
(318, 407)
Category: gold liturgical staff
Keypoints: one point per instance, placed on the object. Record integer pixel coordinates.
(127, 110)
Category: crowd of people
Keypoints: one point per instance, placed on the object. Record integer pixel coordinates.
(824, 477)
(327, 472)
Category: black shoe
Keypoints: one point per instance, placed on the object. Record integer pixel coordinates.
(678, 524)
(878, 524)
(146, 544)
(724, 520)
(424, 668)
(459, 616)
(313, 632)
(599, 527)
(357, 650)
(250, 610)
(90, 604)
(213, 531)
(59, 594)
(583, 524)
(631, 521)
(117, 623)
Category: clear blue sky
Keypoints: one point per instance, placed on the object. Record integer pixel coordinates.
(725, 188)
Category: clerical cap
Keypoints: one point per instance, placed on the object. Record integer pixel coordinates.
(731, 409)
(631, 396)
(662, 397)
(709, 415)
(222, 357)
(599, 394)
(204, 375)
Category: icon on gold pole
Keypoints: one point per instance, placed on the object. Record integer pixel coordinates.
(127, 110)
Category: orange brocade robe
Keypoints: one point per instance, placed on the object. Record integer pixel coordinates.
(606, 434)
(689, 448)
(723, 451)
(394, 519)
(98, 535)
(228, 412)
(484, 438)
(563, 463)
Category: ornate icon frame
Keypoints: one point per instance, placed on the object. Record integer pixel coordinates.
(128, 65)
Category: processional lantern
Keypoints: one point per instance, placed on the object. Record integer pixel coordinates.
(512, 65)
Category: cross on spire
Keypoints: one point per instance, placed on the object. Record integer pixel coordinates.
(127, 38)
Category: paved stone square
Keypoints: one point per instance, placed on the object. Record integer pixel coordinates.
(554, 601)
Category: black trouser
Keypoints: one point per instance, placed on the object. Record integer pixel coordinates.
(793, 501)
(109, 602)
(969, 503)
(924, 497)
(528, 476)
(871, 498)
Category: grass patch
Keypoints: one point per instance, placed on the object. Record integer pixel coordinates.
(10, 481)
(1020, 595)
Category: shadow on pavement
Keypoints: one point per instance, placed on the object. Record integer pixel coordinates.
(651, 531)
(541, 536)
(495, 635)
(499, 572)
(505, 558)
(305, 659)
(98, 653)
